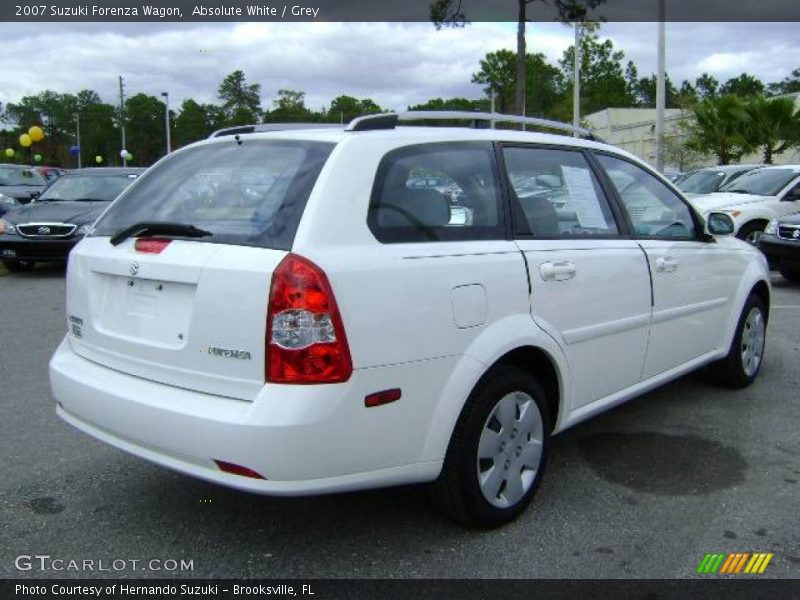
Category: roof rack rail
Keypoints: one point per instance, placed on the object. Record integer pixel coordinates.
(261, 127)
(478, 119)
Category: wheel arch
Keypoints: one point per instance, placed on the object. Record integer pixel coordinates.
(755, 280)
(515, 341)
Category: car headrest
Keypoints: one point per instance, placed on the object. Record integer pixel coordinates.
(413, 208)
(541, 215)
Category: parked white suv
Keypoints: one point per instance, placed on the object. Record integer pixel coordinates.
(292, 312)
(756, 198)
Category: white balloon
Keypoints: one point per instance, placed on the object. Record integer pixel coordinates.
(123, 153)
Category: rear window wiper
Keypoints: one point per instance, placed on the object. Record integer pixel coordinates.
(158, 228)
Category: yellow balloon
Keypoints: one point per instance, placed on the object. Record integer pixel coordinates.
(24, 140)
(36, 134)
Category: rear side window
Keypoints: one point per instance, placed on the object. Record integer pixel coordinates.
(437, 192)
(250, 193)
(556, 193)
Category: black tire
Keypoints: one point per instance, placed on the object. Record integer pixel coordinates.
(731, 371)
(457, 492)
(18, 266)
(791, 275)
(748, 232)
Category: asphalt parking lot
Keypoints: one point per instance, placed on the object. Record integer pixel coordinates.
(643, 491)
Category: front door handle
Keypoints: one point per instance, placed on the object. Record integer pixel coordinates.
(557, 271)
(666, 264)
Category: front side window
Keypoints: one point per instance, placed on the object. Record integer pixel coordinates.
(556, 193)
(436, 192)
(654, 209)
(249, 193)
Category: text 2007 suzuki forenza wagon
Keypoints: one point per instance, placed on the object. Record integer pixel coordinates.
(309, 311)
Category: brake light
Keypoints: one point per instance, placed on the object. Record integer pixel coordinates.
(235, 469)
(306, 342)
(149, 245)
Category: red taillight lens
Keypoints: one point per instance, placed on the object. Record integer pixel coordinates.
(235, 469)
(306, 342)
(150, 246)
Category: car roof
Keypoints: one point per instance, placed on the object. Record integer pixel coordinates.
(15, 167)
(414, 134)
(106, 171)
(795, 168)
(727, 168)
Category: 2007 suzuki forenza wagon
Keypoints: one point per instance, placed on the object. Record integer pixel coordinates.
(307, 311)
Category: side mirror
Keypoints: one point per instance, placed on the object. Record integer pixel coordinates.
(719, 223)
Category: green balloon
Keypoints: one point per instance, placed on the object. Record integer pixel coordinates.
(37, 157)
(129, 156)
(10, 152)
(98, 159)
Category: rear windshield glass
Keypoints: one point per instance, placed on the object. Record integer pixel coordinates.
(87, 188)
(701, 182)
(20, 177)
(762, 182)
(251, 192)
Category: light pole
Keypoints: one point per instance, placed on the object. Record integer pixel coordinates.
(166, 120)
(661, 87)
(576, 81)
(78, 136)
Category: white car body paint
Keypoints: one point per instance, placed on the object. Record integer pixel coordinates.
(429, 318)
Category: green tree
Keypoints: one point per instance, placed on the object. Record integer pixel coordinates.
(789, 85)
(719, 128)
(602, 76)
(544, 81)
(645, 91)
(687, 95)
(241, 101)
(744, 85)
(146, 136)
(462, 104)
(290, 107)
(344, 109)
(773, 125)
(191, 124)
(706, 86)
(449, 13)
(498, 73)
(99, 133)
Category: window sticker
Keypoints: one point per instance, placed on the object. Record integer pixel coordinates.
(583, 198)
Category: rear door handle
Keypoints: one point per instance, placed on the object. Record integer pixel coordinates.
(557, 271)
(666, 264)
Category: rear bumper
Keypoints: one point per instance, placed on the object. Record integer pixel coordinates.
(302, 439)
(17, 248)
(780, 252)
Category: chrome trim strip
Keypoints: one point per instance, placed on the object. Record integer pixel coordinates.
(40, 236)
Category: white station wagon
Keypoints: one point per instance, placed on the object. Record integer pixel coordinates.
(298, 312)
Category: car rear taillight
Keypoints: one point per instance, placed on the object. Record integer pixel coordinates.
(150, 245)
(306, 342)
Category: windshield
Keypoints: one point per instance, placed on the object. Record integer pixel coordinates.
(762, 182)
(20, 177)
(248, 193)
(701, 182)
(86, 188)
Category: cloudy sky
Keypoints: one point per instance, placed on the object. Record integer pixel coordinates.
(395, 64)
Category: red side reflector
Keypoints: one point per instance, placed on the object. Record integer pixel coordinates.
(383, 397)
(237, 469)
(150, 246)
